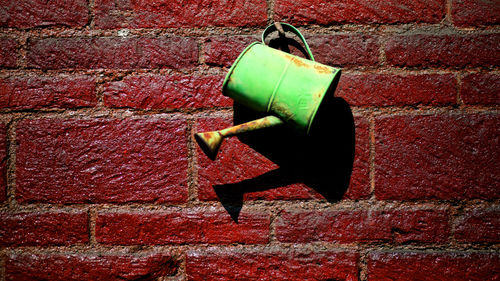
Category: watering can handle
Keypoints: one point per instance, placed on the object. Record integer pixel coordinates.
(287, 27)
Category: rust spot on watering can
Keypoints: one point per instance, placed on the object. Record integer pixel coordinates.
(322, 69)
(300, 63)
(283, 111)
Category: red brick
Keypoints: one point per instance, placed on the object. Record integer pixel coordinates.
(112, 52)
(444, 50)
(258, 178)
(8, 52)
(437, 157)
(105, 160)
(3, 162)
(345, 49)
(360, 180)
(359, 11)
(339, 50)
(481, 89)
(478, 226)
(29, 229)
(160, 92)
(28, 13)
(224, 50)
(89, 266)
(475, 13)
(433, 266)
(187, 226)
(37, 92)
(161, 14)
(271, 265)
(367, 89)
(394, 226)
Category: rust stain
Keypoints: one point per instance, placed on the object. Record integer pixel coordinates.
(300, 63)
(322, 69)
(208, 136)
(283, 111)
(246, 127)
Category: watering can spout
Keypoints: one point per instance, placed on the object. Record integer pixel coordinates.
(210, 142)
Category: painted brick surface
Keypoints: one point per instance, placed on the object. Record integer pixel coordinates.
(189, 226)
(433, 266)
(345, 49)
(335, 50)
(478, 226)
(161, 14)
(166, 92)
(358, 11)
(31, 229)
(27, 13)
(45, 92)
(8, 52)
(112, 52)
(223, 50)
(91, 266)
(79, 161)
(399, 226)
(102, 179)
(426, 50)
(475, 13)
(202, 265)
(481, 89)
(437, 157)
(398, 90)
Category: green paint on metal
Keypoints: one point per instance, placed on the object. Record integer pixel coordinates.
(287, 86)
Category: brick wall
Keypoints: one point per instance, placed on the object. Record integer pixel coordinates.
(101, 179)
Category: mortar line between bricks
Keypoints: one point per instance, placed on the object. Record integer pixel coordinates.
(372, 171)
(199, 43)
(91, 13)
(454, 213)
(192, 171)
(65, 32)
(448, 20)
(250, 206)
(270, 11)
(92, 216)
(317, 246)
(92, 113)
(22, 51)
(273, 217)
(381, 40)
(363, 265)
(181, 270)
(11, 162)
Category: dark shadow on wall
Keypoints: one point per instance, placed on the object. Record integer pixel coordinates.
(322, 161)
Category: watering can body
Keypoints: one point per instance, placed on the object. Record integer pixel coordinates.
(287, 87)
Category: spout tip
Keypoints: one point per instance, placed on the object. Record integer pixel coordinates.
(209, 142)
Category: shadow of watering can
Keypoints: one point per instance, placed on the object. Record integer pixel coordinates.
(287, 87)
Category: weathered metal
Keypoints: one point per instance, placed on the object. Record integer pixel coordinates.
(288, 87)
(210, 142)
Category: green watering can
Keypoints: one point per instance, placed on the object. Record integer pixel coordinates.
(288, 87)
